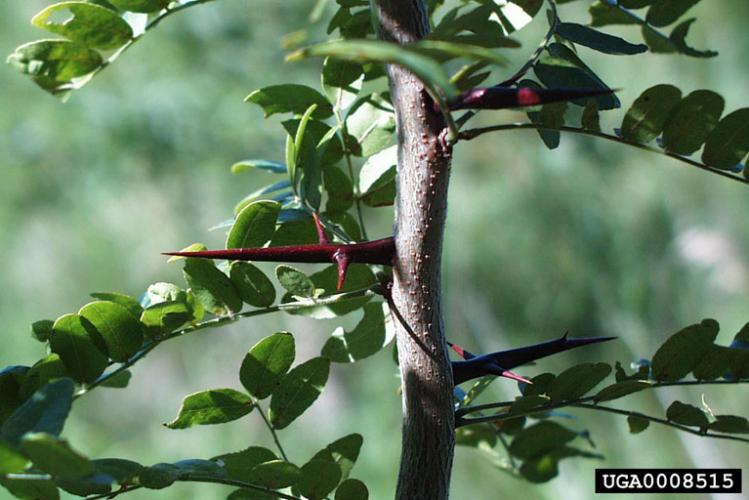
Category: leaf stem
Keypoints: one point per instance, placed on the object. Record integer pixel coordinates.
(272, 431)
(470, 134)
(347, 154)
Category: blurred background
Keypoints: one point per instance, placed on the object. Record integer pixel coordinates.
(594, 238)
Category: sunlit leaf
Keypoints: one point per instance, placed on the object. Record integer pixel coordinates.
(267, 363)
(140, 5)
(54, 63)
(254, 225)
(89, 24)
(425, 68)
(120, 330)
(216, 406)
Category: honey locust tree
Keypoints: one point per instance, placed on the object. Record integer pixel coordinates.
(401, 82)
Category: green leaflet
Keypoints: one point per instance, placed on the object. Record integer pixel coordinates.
(91, 25)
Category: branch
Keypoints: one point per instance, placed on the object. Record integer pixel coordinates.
(662, 421)
(223, 320)
(196, 478)
(470, 134)
(490, 406)
(151, 25)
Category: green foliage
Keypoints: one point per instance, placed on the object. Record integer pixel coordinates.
(340, 155)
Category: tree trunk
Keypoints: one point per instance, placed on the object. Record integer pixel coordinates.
(421, 203)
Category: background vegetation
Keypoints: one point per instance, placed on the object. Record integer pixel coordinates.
(593, 238)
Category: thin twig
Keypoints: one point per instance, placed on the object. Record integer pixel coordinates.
(196, 478)
(470, 134)
(332, 299)
(503, 404)
(658, 420)
(347, 155)
(151, 24)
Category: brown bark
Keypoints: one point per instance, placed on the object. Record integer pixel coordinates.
(423, 172)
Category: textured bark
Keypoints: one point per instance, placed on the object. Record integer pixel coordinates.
(428, 440)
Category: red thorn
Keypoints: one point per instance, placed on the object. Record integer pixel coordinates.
(342, 261)
(514, 376)
(320, 231)
(457, 349)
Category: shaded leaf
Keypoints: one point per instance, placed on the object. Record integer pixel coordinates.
(683, 351)
(691, 121)
(366, 339)
(76, 348)
(32, 488)
(637, 424)
(563, 69)
(343, 451)
(215, 406)
(729, 424)
(358, 276)
(577, 381)
(646, 117)
(728, 143)
(678, 40)
(476, 435)
(266, 364)
(298, 390)
(122, 471)
(45, 411)
(686, 414)
(318, 479)
(621, 389)
(665, 12)
(352, 489)
(54, 455)
(596, 40)
(290, 98)
(42, 329)
(239, 465)
(45, 370)
(165, 317)
(539, 438)
(275, 474)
